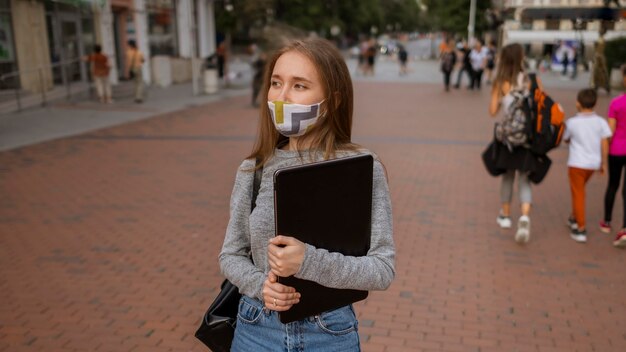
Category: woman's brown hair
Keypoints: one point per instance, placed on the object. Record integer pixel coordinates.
(333, 131)
(510, 64)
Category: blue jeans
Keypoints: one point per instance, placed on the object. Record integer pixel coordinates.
(260, 329)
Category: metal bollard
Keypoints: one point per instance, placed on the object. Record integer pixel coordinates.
(43, 89)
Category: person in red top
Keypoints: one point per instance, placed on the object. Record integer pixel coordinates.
(100, 72)
(617, 162)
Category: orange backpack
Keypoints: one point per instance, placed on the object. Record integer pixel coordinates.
(547, 119)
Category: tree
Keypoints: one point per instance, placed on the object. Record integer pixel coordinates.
(353, 17)
(453, 15)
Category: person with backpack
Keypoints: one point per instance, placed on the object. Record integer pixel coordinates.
(448, 60)
(466, 65)
(588, 137)
(514, 156)
(617, 162)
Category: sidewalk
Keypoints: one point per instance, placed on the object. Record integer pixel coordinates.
(109, 239)
(62, 118)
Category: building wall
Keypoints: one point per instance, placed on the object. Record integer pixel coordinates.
(31, 44)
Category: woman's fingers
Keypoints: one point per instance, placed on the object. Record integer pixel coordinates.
(285, 255)
(277, 296)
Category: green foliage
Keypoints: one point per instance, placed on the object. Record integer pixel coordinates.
(353, 17)
(615, 52)
(453, 15)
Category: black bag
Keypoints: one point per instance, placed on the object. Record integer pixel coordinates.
(131, 74)
(542, 166)
(490, 156)
(218, 324)
(217, 328)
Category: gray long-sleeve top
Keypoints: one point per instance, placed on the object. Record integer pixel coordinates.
(250, 233)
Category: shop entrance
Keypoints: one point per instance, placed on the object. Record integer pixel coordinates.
(70, 49)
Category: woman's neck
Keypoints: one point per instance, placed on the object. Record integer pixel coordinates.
(299, 143)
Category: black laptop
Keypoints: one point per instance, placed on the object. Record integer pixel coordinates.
(328, 205)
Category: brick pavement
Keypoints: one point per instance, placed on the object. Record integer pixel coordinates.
(109, 240)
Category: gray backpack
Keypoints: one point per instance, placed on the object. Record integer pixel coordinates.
(513, 129)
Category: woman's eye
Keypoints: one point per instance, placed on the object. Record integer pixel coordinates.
(299, 86)
(275, 84)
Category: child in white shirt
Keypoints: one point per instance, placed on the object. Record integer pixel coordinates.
(588, 137)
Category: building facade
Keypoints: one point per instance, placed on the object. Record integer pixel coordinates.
(42, 41)
(541, 24)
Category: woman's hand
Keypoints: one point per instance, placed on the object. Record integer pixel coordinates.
(277, 296)
(285, 255)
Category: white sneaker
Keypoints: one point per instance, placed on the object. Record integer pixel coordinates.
(523, 229)
(504, 221)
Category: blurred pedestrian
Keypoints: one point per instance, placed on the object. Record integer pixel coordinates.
(588, 137)
(445, 45)
(600, 74)
(565, 63)
(491, 60)
(134, 64)
(100, 72)
(617, 163)
(511, 81)
(478, 60)
(221, 59)
(258, 67)
(403, 57)
(466, 66)
(308, 82)
(575, 64)
(370, 57)
(448, 60)
(363, 46)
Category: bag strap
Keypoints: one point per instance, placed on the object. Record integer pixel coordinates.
(533, 83)
(256, 184)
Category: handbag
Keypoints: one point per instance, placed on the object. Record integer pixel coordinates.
(217, 327)
(489, 157)
(542, 166)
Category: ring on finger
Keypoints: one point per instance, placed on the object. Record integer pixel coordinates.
(274, 301)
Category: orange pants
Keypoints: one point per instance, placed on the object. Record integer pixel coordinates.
(577, 180)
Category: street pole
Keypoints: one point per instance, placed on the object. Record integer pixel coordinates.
(472, 21)
(194, 48)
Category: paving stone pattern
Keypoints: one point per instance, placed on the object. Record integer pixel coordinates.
(109, 239)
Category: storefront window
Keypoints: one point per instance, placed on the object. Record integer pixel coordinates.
(8, 61)
(88, 35)
(70, 36)
(162, 27)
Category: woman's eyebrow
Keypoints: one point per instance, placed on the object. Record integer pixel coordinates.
(302, 79)
(295, 78)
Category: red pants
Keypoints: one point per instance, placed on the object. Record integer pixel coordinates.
(577, 180)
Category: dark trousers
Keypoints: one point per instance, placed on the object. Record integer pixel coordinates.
(616, 165)
(477, 77)
(466, 69)
(446, 79)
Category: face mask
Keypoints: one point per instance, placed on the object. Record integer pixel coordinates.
(292, 120)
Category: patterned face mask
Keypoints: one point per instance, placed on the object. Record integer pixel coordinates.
(293, 120)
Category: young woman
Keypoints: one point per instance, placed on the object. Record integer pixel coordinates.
(617, 162)
(306, 76)
(510, 76)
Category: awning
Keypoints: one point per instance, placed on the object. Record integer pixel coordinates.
(572, 13)
(552, 36)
